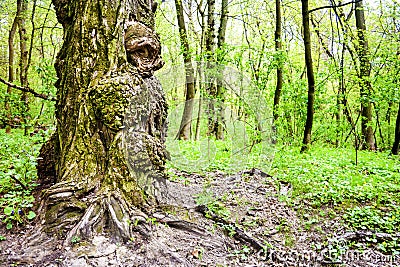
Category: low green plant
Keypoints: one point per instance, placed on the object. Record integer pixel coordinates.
(243, 253)
(177, 178)
(209, 155)
(214, 206)
(75, 239)
(17, 176)
(373, 219)
(366, 195)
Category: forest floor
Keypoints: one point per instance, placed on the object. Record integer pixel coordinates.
(215, 220)
(321, 208)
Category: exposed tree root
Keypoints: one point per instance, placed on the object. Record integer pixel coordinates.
(238, 234)
(110, 214)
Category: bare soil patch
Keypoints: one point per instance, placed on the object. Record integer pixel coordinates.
(246, 224)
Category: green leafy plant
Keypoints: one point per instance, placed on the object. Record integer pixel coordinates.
(370, 218)
(17, 177)
(75, 239)
(214, 206)
(243, 253)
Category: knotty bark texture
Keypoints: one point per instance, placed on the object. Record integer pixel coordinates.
(105, 73)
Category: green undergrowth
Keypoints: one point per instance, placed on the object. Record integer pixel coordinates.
(325, 182)
(18, 155)
(331, 176)
(328, 181)
(208, 155)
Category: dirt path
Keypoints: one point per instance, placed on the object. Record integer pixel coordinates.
(211, 220)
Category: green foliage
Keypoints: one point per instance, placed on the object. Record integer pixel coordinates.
(210, 155)
(41, 74)
(17, 177)
(214, 205)
(75, 240)
(367, 195)
(374, 219)
(242, 253)
(330, 176)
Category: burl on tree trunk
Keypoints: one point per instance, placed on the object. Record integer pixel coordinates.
(105, 75)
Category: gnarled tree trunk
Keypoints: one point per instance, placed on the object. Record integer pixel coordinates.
(105, 169)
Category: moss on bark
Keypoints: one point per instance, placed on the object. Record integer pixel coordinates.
(95, 189)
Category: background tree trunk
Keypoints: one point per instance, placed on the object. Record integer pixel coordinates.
(395, 148)
(220, 94)
(186, 122)
(365, 85)
(11, 36)
(104, 70)
(310, 76)
(23, 63)
(210, 65)
(278, 50)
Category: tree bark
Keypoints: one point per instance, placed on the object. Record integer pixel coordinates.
(220, 94)
(23, 63)
(210, 64)
(310, 76)
(186, 122)
(395, 148)
(110, 113)
(278, 50)
(11, 36)
(367, 133)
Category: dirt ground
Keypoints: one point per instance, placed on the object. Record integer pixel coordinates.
(207, 220)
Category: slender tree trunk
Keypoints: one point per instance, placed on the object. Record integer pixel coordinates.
(110, 113)
(395, 148)
(367, 132)
(186, 122)
(278, 50)
(210, 64)
(23, 63)
(220, 109)
(210, 30)
(388, 118)
(310, 76)
(11, 52)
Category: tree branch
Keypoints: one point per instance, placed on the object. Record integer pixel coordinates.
(18, 181)
(28, 90)
(344, 4)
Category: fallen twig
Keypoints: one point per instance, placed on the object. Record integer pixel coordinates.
(19, 182)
